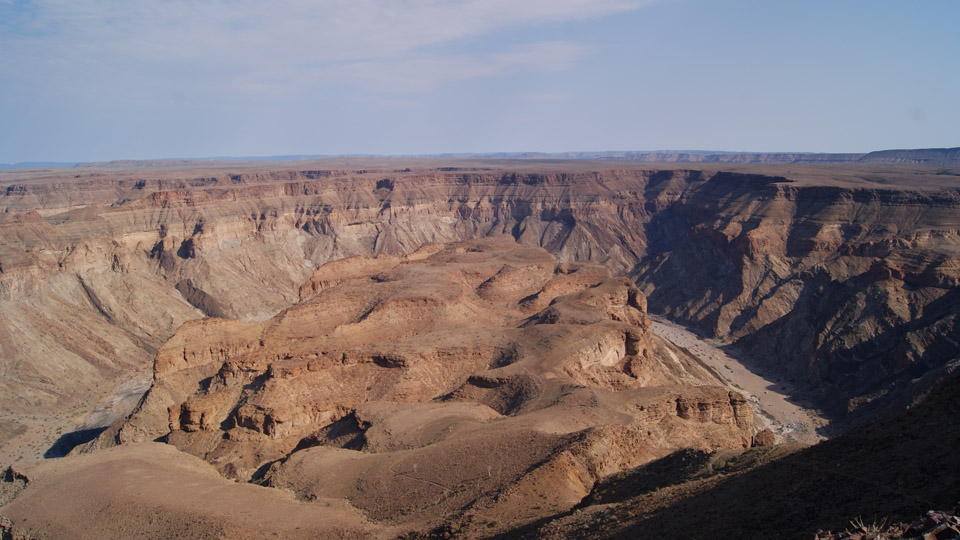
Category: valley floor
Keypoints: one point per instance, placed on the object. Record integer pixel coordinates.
(774, 401)
(30, 438)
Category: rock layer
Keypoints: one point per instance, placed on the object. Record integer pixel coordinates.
(849, 292)
(842, 277)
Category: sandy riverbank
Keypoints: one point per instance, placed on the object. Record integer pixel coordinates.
(773, 400)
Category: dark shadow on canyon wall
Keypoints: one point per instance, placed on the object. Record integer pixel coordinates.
(69, 441)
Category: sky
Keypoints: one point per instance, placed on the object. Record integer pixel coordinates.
(97, 80)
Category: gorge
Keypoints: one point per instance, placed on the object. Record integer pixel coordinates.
(842, 279)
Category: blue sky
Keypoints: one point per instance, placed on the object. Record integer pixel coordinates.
(88, 80)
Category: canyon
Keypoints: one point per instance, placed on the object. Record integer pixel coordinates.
(301, 321)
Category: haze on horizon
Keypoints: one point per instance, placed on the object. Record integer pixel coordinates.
(93, 80)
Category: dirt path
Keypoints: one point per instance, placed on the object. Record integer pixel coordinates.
(771, 399)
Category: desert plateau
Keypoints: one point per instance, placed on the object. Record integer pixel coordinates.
(479, 348)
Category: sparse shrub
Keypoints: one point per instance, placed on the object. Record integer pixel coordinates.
(869, 529)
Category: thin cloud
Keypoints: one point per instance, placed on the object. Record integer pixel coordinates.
(386, 102)
(424, 72)
(219, 44)
(546, 97)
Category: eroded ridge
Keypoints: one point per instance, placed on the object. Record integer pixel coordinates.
(474, 386)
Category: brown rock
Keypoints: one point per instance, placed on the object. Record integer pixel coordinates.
(764, 437)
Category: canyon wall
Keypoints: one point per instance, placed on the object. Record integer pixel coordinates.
(850, 292)
(844, 280)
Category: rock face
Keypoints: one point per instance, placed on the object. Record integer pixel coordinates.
(843, 278)
(850, 292)
(476, 383)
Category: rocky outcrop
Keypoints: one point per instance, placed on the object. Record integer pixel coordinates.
(480, 377)
(872, 482)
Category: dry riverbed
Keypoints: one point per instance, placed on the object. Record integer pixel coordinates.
(773, 400)
(33, 437)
